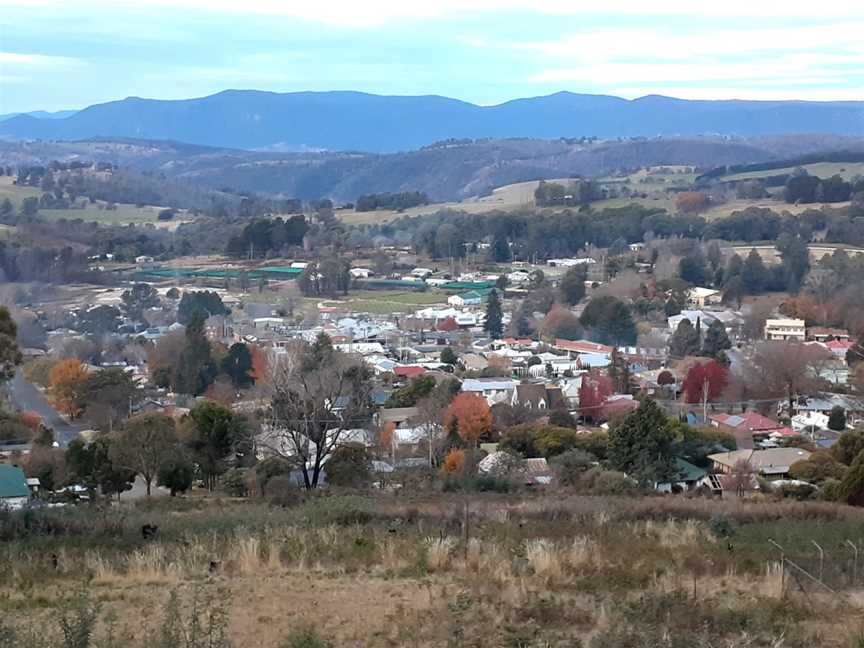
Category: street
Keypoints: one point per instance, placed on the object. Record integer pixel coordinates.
(28, 398)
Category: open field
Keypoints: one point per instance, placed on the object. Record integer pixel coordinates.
(846, 170)
(384, 302)
(362, 570)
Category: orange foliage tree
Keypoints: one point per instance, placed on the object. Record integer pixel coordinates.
(65, 382)
(472, 416)
(691, 202)
(454, 461)
(385, 438)
(260, 367)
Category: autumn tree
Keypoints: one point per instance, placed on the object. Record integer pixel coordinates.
(705, 383)
(560, 323)
(691, 202)
(65, 384)
(472, 415)
(10, 355)
(144, 444)
(595, 388)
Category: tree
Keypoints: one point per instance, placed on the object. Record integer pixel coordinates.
(560, 323)
(641, 445)
(849, 446)
(238, 365)
(610, 321)
(493, 325)
(448, 356)
(472, 415)
(107, 396)
(90, 465)
(137, 299)
(176, 473)
(260, 372)
(99, 320)
(596, 387)
(692, 268)
(196, 369)
(665, 378)
(753, 274)
(817, 468)
(837, 419)
(572, 285)
(705, 383)
(851, 489)
(685, 341)
(319, 394)
(716, 341)
(213, 433)
(349, 466)
(416, 390)
(10, 355)
(144, 444)
(204, 304)
(787, 369)
(65, 384)
(796, 261)
(691, 202)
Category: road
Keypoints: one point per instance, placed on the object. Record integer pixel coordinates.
(27, 398)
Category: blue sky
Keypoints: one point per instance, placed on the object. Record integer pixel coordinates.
(58, 54)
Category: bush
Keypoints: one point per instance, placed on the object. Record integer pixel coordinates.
(234, 482)
(607, 482)
(721, 526)
(306, 639)
(348, 466)
(572, 465)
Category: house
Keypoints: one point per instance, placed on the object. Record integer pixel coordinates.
(838, 348)
(589, 354)
(14, 491)
(569, 263)
(688, 478)
(532, 471)
(772, 463)
(421, 273)
(360, 273)
(494, 390)
(409, 371)
(786, 330)
(744, 426)
(823, 404)
(824, 334)
(537, 396)
(702, 297)
(469, 298)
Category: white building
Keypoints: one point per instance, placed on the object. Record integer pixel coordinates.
(702, 297)
(787, 330)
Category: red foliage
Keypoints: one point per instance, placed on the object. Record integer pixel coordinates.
(691, 202)
(472, 415)
(448, 325)
(595, 389)
(31, 419)
(711, 374)
(665, 378)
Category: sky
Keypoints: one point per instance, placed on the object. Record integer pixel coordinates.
(68, 54)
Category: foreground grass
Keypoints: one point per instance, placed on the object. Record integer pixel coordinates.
(395, 571)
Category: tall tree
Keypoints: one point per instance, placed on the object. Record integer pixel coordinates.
(10, 355)
(572, 285)
(319, 394)
(685, 340)
(704, 383)
(196, 370)
(493, 325)
(144, 444)
(754, 276)
(716, 341)
(560, 323)
(641, 445)
(238, 365)
(796, 261)
(693, 269)
(787, 369)
(837, 419)
(108, 396)
(137, 299)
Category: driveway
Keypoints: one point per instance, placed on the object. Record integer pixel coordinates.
(28, 398)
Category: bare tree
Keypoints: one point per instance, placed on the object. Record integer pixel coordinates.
(144, 444)
(318, 395)
(787, 369)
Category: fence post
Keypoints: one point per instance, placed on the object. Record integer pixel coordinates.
(821, 560)
(854, 561)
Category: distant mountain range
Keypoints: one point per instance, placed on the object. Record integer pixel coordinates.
(354, 121)
(41, 114)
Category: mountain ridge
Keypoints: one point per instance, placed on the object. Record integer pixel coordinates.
(351, 120)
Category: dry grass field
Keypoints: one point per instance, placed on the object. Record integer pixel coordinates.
(396, 570)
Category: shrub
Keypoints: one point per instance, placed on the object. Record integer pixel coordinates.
(306, 639)
(234, 482)
(721, 526)
(608, 482)
(572, 465)
(349, 466)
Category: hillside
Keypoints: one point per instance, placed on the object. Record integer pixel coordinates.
(357, 121)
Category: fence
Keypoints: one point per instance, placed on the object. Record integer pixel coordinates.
(825, 569)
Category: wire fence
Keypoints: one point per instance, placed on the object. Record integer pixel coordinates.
(824, 569)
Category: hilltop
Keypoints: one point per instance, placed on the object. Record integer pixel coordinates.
(303, 121)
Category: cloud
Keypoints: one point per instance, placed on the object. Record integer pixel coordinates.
(17, 58)
(375, 13)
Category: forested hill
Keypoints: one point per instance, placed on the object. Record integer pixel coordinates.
(339, 121)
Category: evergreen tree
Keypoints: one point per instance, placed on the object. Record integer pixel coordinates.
(716, 341)
(837, 419)
(796, 261)
(494, 325)
(852, 487)
(10, 354)
(238, 365)
(572, 285)
(610, 321)
(685, 340)
(520, 324)
(196, 370)
(641, 445)
(754, 276)
(692, 268)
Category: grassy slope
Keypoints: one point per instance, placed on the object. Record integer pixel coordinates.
(846, 170)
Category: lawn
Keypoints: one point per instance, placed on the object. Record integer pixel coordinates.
(388, 302)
